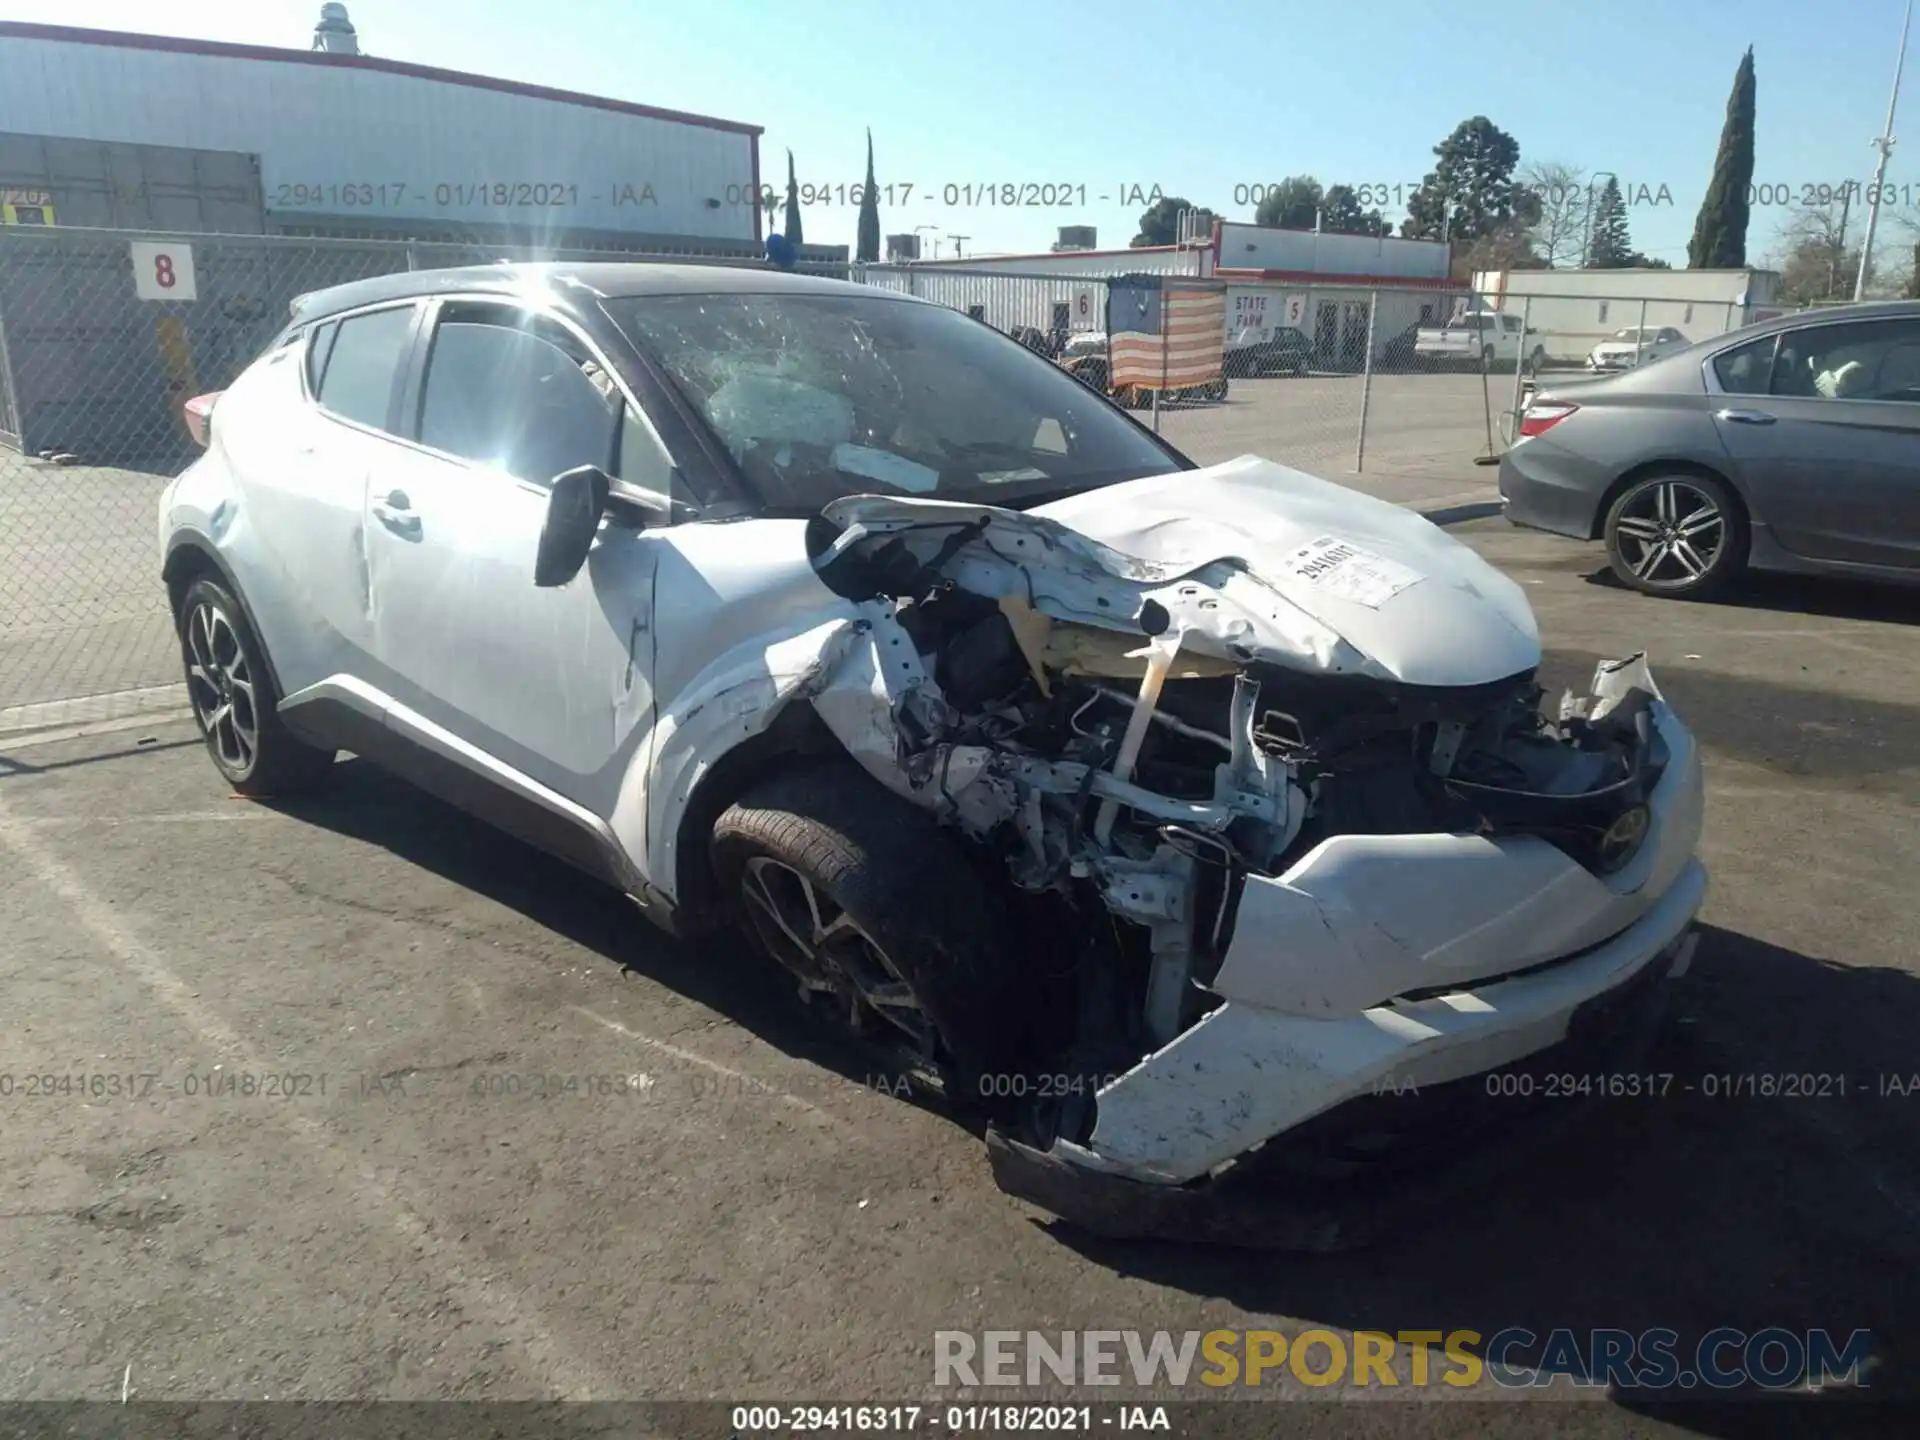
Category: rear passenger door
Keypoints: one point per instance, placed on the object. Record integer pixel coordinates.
(309, 510)
(1829, 452)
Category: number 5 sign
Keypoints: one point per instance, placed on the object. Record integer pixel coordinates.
(163, 271)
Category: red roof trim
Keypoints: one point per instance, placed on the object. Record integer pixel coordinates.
(1063, 255)
(23, 30)
(1309, 277)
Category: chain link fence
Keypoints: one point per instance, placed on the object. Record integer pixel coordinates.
(95, 365)
(1329, 378)
(1409, 385)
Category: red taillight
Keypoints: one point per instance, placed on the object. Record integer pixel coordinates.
(199, 416)
(1542, 416)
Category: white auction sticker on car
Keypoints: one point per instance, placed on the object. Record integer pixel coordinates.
(1339, 567)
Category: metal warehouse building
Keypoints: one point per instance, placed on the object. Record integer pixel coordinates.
(121, 129)
(107, 139)
(1322, 284)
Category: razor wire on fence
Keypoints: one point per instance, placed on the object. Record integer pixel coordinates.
(104, 335)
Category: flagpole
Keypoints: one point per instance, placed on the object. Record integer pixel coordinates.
(1885, 146)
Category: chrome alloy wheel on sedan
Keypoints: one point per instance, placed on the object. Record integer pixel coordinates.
(824, 948)
(220, 686)
(1676, 534)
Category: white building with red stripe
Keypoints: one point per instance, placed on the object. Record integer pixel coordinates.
(1327, 286)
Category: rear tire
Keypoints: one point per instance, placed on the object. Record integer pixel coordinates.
(234, 700)
(1678, 534)
(905, 942)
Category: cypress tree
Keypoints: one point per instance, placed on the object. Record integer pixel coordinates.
(867, 244)
(795, 236)
(1720, 232)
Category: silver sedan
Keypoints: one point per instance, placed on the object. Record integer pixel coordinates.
(1790, 445)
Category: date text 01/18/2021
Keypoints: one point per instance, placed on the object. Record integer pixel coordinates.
(955, 1419)
(971, 194)
(464, 194)
(550, 194)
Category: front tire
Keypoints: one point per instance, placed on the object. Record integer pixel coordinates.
(234, 700)
(878, 914)
(1679, 535)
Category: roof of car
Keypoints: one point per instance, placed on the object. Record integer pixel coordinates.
(1823, 314)
(592, 280)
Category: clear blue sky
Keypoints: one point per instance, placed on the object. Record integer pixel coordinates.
(1199, 102)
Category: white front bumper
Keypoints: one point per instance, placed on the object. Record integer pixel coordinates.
(1320, 953)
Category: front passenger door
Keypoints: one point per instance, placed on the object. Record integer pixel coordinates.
(549, 686)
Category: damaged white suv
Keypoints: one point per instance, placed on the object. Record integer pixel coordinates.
(1173, 814)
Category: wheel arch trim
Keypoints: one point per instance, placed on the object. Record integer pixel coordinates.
(1646, 470)
(191, 552)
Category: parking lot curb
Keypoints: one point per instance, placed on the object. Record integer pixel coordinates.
(94, 712)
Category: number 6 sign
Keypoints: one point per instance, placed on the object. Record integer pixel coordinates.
(1089, 313)
(163, 271)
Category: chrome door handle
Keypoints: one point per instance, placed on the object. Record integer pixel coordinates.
(396, 513)
(1744, 417)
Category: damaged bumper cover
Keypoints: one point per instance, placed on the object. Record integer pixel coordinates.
(1378, 970)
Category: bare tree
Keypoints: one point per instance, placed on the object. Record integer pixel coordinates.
(1896, 263)
(1560, 192)
(1817, 263)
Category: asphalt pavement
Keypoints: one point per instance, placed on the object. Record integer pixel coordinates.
(389, 1106)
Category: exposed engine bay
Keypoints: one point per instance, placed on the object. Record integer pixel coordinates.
(1125, 742)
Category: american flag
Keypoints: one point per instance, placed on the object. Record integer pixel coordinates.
(1166, 338)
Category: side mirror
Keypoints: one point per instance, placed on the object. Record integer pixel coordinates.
(574, 508)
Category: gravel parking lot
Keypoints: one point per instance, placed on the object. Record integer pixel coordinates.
(339, 1182)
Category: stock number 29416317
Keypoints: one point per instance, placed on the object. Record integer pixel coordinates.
(797, 1419)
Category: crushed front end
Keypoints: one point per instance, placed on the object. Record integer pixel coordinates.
(1307, 902)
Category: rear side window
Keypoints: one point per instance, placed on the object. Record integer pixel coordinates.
(1868, 360)
(365, 359)
(318, 348)
(1744, 370)
(509, 397)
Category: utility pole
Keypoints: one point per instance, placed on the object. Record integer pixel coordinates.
(1840, 244)
(958, 240)
(1885, 146)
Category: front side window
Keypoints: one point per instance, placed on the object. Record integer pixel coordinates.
(1744, 370)
(820, 396)
(363, 364)
(503, 395)
(1866, 360)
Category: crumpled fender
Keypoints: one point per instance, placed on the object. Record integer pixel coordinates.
(735, 698)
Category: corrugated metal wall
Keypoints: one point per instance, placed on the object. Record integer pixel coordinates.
(336, 139)
(97, 371)
(135, 187)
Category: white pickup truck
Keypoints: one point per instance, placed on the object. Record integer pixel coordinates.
(1478, 337)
